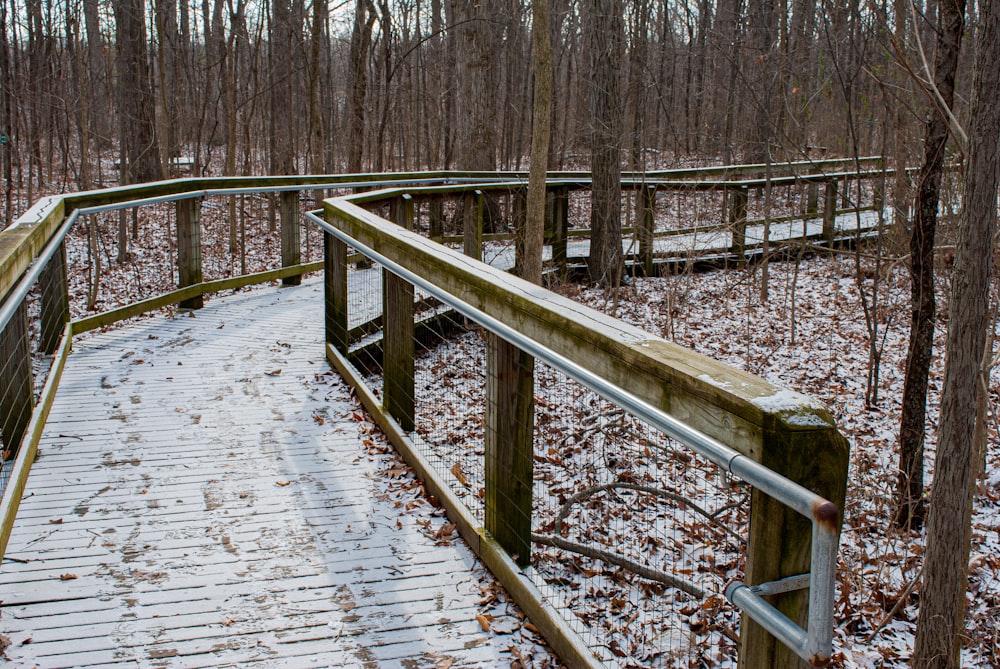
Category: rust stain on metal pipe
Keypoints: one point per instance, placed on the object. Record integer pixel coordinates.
(827, 515)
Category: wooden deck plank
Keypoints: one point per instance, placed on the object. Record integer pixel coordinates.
(204, 482)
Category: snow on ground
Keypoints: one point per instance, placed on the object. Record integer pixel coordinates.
(811, 337)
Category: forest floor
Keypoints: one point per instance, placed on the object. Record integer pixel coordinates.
(812, 336)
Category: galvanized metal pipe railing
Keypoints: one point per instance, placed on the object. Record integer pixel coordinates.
(813, 644)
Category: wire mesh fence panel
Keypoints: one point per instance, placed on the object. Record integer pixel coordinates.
(450, 387)
(27, 341)
(635, 536)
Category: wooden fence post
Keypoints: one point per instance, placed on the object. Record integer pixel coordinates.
(472, 234)
(55, 301)
(812, 198)
(738, 198)
(291, 244)
(560, 228)
(397, 349)
(509, 463)
(435, 219)
(830, 212)
(335, 292)
(780, 539)
(189, 249)
(647, 211)
(17, 395)
(402, 211)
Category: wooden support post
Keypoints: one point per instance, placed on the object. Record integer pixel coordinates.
(335, 292)
(738, 221)
(17, 395)
(402, 211)
(435, 218)
(830, 212)
(646, 227)
(397, 349)
(291, 244)
(55, 301)
(812, 198)
(560, 228)
(519, 213)
(189, 249)
(510, 424)
(780, 539)
(472, 235)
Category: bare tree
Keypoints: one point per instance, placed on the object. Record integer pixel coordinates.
(606, 49)
(530, 263)
(942, 597)
(136, 103)
(923, 306)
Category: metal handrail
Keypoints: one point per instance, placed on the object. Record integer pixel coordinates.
(813, 644)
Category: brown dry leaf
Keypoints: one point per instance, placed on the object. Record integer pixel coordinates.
(484, 621)
(459, 473)
(67, 577)
(283, 483)
(445, 531)
(276, 372)
(56, 521)
(444, 663)
(319, 419)
(228, 621)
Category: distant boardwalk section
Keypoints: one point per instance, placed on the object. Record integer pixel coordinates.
(204, 497)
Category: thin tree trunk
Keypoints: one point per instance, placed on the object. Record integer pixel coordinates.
(606, 46)
(940, 623)
(530, 264)
(910, 483)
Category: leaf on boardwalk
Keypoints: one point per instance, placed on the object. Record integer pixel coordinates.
(283, 483)
(276, 372)
(67, 577)
(484, 621)
(459, 473)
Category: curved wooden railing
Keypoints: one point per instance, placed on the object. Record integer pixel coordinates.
(793, 437)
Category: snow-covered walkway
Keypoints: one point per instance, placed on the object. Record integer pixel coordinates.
(206, 495)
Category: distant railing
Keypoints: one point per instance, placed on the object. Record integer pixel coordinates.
(740, 424)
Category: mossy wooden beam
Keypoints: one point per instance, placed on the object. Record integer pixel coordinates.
(291, 234)
(21, 243)
(509, 466)
(663, 372)
(335, 292)
(189, 249)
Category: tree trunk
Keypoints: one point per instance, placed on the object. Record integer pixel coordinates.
(478, 77)
(136, 103)
(530, 263)
(606, 47)
(910, 483)
(942, 596)
(282, 141)
(361, 37)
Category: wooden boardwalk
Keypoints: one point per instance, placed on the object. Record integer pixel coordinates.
(206, 496)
